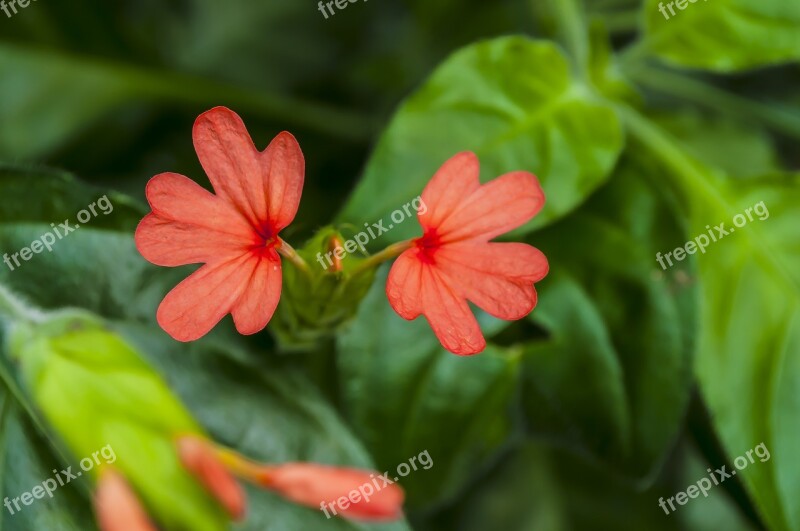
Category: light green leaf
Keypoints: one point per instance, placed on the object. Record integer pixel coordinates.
(723, 35)
(511, 100)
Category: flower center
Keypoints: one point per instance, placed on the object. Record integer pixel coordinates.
(265, 240)
(427, 245)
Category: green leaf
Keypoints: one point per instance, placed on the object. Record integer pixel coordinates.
(26, 461)
(401, 391)
(614, 378)
(541, 487)
(511, 100)
(740, 150)
(749, 317)
(723, 35)
(34, 203)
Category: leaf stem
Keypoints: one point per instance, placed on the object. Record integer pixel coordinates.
(705, 94)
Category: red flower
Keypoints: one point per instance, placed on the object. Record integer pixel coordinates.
(454, 261)
(234, 233)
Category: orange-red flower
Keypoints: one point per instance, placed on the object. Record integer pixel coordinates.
(233, 232)
(455, 262)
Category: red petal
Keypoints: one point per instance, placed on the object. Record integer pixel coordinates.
(255, 307)
(449, 315)
(117, 507)
(189, 225)
(284, 179)
(197, 304)
(200, 459)
(496, 208)
(497, 277)
(335, 489)
(404, 285)
(171, 243)
(455, 181)
(415, 288)
(264, 187)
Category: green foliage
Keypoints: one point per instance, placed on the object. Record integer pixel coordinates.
(724, 35)
(513, 102)
(615, 375)
(574, 418)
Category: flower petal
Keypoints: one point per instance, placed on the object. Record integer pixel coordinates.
(495, 208)
(450, 186)
(497, 277)
(404, 285)
(201, 300)
(200, 458)
(263, 187)
(255, 307)
(321, 487)
(285, 178)
(116, 505)
(171, 243)
(233, 164)
(188, 224)
(449, 314)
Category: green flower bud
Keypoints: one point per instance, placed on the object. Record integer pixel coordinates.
(318, 299)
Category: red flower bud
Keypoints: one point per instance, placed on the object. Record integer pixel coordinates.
(116, 505)
(200, 458)
(355, 494)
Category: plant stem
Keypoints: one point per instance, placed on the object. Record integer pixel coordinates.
(565, 21)
(388, 253)
(288, 252)
(712, 97)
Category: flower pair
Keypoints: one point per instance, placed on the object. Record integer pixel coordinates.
(235, 234)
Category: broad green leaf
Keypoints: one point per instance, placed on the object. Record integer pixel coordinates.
(749, 316)
(511, 100)
(614, 377)
(723, 35)
(401, 392)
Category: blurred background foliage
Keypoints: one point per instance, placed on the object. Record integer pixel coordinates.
(624, 384)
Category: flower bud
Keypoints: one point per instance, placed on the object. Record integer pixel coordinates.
(367, 496)
(316, 301)
(116, 505)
